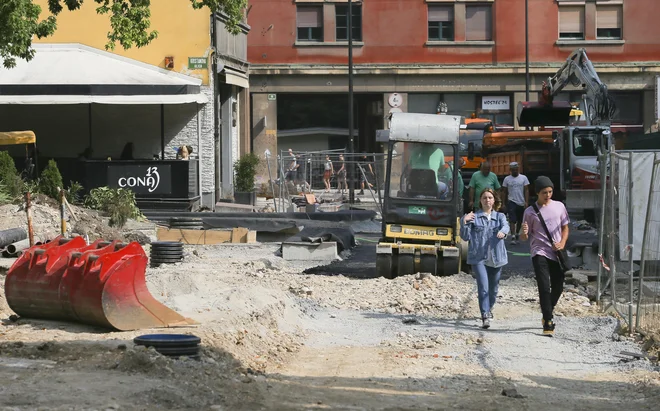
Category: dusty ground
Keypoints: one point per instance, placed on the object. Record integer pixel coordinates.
(277, 339)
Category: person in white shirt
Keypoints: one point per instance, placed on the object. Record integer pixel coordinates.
(516, 197)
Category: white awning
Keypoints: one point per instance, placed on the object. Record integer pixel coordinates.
(138, 100)
(78, 74)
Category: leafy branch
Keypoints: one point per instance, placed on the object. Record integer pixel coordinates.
(130, 23)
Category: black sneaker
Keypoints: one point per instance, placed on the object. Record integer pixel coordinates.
(548, 327)
(490, 315)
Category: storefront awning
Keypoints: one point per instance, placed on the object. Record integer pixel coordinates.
(78, 74)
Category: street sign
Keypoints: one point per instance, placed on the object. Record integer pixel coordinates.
(395, 100)
(196, 63)
(272, 97)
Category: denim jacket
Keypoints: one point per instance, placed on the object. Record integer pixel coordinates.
(480, 233)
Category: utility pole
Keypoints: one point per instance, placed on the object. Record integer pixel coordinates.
(351, 146)
(527, 80)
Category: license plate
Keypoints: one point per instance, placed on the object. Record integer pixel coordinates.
(417, 210)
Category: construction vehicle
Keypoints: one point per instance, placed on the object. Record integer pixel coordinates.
(536, 152)
(579, 146)
(420, 229)
(100, 284)
(471, 137)
(29, 139)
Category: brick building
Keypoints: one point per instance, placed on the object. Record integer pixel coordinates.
(467, 53)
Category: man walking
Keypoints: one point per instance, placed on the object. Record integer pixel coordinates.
(480, 181)
(549, 275)
(516, 197)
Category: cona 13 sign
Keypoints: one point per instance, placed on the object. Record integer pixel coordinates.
(141, 179)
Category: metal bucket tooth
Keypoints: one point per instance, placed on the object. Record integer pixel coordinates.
(31, 286)
(98, 284)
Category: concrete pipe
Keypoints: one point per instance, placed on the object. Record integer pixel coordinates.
(18, 246)
(11, 236)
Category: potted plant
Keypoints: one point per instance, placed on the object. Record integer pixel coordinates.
(245, 170)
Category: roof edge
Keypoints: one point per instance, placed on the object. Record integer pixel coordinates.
(123, 59)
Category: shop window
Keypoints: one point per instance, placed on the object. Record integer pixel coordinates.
(609, 22)
(571, 22)
(341, 21)
(310, 23)
(629, 108)
(461, 104)
(423, 103)
(441, 23)
(478, 23)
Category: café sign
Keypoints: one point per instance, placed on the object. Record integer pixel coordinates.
(141, 179)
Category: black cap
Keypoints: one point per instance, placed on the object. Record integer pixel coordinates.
(541, 183)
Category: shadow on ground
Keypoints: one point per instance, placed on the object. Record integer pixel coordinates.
(362, 262)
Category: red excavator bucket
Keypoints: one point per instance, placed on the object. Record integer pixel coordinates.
(99, 284)
(532, 114)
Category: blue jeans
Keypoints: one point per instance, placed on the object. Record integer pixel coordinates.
(488, 281)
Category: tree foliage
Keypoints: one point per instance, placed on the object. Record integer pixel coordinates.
(130, 25)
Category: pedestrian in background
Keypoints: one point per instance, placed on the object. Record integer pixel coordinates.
(341, 175)
(515, 194)
(485, 231)
(328, 172)
(482, 179)
(549, 273)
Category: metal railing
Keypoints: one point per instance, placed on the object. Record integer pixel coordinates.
(629, 239)
(307, 174)
(648, 296)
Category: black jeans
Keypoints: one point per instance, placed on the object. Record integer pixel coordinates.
(550, 280)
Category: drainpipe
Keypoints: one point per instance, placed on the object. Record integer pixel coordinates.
(199, 156)
(216, 115)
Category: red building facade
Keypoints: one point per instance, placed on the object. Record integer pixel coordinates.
(469, 54)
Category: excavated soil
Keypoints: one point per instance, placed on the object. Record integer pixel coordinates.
(274, 338)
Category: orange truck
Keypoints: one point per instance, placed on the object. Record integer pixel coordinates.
(536, 152)
(471, 136)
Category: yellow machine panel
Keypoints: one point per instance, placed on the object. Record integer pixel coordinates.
(415, 232)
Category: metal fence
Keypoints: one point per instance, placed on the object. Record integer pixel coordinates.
(629, 243)
(648, 297)
(306, 174)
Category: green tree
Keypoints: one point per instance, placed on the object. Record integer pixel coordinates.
(129, 22)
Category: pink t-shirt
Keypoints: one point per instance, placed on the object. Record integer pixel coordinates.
(555, 216)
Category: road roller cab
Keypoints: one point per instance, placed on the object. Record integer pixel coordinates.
(421, 200)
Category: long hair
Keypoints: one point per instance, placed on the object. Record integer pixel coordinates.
(498, 202)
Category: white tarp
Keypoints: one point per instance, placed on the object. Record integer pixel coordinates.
(82, 99)
(77, 64)
(642, 165)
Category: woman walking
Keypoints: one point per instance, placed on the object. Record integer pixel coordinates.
(328, 172)
(485, 231)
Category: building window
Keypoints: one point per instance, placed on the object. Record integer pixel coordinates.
(478, 23)
(571, 22)
(441, 23)
(341, 21)
(609, 22)
(310, 23)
